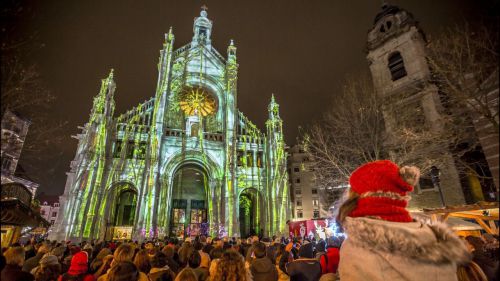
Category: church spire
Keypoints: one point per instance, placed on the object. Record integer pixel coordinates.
(273, 108)
(104, 103)
(202, 29)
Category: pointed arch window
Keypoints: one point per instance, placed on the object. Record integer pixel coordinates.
(396, 66)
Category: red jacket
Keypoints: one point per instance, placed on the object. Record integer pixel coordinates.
(330, 261)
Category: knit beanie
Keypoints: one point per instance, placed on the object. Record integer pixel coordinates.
(383, 187)
(78, 263)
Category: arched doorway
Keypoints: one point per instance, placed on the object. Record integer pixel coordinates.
(249, 209)
(122, 211)
(188, 216)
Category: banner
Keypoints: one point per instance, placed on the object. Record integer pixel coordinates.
(122, 232)
(308, 228)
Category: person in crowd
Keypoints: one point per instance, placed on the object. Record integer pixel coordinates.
(185, 252)
(169, 253)
(78, 269)
(159, 268)
(142, 261)
(231, 267)
(195, 264)
(48, 270)
(261, 267)
(33, 262)
(124, 252)
(383, 242)
(330, 260)
(482, 258)
(215, 255)
(124, 271)
(205, 258)
(249, 254)
(319, 248)
(150, 248)
(89, 249)
(270, 249)
(187, 274)
(208, 245)
(66, 263)
(99, 260)
(305, 267)
(59, 251)
(282, 276)
(14, 259)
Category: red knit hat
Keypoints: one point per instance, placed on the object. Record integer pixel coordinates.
(78, 263)
(382, 187)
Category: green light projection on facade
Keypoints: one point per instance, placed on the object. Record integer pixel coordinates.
(191, 122)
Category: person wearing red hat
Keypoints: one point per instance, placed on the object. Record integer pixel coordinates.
(383, 241)
(78, 269)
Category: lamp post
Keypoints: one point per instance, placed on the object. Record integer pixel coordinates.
(435, 173)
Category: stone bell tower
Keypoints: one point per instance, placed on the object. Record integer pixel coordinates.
(397, 59)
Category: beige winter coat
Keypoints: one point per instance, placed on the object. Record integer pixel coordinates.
(380, 250)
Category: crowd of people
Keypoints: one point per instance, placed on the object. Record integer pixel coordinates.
(383, 243)
(198, 258)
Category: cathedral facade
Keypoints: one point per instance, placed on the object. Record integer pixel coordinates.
(184, 162)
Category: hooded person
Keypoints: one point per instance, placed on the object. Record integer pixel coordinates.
(383, 241)
(78, 270)
(49, 268)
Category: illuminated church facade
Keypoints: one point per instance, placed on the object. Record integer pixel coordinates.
(184, 162)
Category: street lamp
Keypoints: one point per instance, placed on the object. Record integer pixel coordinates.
(435, 173)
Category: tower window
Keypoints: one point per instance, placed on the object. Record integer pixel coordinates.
(397, 66)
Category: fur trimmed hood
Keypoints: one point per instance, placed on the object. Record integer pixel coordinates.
(427, 243)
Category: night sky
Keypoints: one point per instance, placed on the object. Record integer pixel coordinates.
(298, 50)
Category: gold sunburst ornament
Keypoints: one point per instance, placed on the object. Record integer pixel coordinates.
(196, 101)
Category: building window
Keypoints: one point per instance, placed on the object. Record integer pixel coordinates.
(314, 191)
(425, 183)
(299, 203)
(316, 214)
(297, 180)
(54, 214)
(298, 191)
(299, 214)
(259, 159)
(130, 149)
(141, 152)
(296, 169)
(56, 204)
(42, 212)
(52, 222)
(118, 149)
(6, 161)
(397, 66)
(315, 202)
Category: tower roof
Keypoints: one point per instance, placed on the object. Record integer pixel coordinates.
(387, 9)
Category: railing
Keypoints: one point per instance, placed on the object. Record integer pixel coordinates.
(206, 136)
(213, 136)
(136, 128)
(250, 139)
